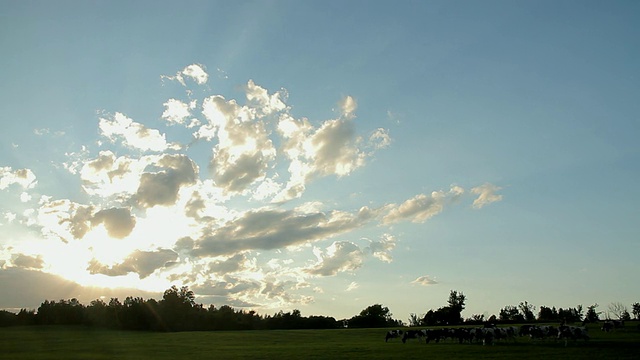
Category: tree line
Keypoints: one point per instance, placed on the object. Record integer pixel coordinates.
(178, 311)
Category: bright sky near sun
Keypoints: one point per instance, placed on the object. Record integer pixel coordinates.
(321, 155)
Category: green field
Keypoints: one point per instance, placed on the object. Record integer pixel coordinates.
(53, 342)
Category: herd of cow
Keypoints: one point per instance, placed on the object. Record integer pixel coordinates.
(490, 334)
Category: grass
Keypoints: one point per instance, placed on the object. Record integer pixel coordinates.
(86, 343)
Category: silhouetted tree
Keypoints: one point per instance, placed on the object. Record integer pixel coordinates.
(527, 310)
(510, 313)
(414, 320)
(373, 316)
(618, 310)
(636, 310)
(475, 319)
(592, 315)
(547, 314)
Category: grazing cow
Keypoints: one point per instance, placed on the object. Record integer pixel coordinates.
(572, 333)
(413, 334)
(392, 334)
(607, 326)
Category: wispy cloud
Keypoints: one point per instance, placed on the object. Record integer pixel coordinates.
(486, 195)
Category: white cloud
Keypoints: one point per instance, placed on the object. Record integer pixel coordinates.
(486, 195)
(197, 73)
(425, 280)
(422, 207)
(339, 257)
(354, 285)
(380, 139)
(382, 249)
(23, 177)
(133, 134)
(176, 112)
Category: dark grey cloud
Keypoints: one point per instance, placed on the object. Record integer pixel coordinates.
(118, 221)
(268, 229)
(29, 288)
(161, 188)
(28, 262)
(143, 263)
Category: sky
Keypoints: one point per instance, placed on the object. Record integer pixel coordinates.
(321, 155)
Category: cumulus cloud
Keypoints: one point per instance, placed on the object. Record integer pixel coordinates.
(133, 134)
(486, 195)
(258, 153)
(339, 257)
(21, 177)
(143, 263)
(65, 219)
(195, 72)
(161, 187)
(382, 249)
(424, 281)
(119, 222)
(232, 264)
(178, 112)
(27, 261)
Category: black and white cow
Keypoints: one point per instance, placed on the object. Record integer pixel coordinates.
(572, 333)
(392, 334)
(413, 334)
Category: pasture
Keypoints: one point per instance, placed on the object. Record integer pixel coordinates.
(54, 342)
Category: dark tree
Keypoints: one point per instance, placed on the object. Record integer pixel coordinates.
(527, 310)
(593, 315)
(510, 313)
(373, 316)
(636, 310)
(547, 314)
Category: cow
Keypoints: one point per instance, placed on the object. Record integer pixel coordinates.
(607, 326)
(413, 334)
(392, 334)
(572, 333)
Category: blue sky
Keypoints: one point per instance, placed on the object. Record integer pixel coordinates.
(324, 156)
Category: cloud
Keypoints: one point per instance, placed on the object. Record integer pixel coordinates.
(133, 134)
(65, 219)
(382, 249)
(42, 286)
(161, 187)
(244, 149)
(269, 229)
(118, 221)
(178, 112)
(28, 262)
(422, 207)
(235, 263)
(354, 285)
(380, 139)
(143, 263)
(196, 72)
(486, 195)
(22, 177)
(339, 257)
(424, 281)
